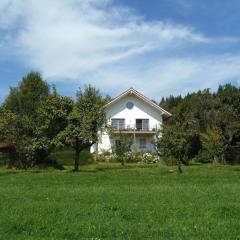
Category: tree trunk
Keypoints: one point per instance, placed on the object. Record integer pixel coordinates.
(215, 159)
(180, 166)
(77, 154)
(223, 161)
(123, 161)
(96, 154)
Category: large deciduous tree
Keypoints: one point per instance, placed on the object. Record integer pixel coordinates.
(30, 119)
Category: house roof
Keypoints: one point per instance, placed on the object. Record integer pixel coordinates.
(133, 92)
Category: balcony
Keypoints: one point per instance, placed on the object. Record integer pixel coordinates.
(136, 128)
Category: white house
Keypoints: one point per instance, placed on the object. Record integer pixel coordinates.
(132, 113)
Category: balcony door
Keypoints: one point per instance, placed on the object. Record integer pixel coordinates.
(118, 123)
(142, 124)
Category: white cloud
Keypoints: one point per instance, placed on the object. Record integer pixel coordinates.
(10, 11)
(172, 75)
(81, 35)
(95, 41)
(188, 74)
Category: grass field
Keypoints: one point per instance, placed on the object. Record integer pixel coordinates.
(107, 202)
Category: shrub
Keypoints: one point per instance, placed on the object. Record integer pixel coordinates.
(106, 153)
(86, 157)
(150, 158)
(105, 156)
(4, 158)
(114, 158)
(203, 157)
(131, 157)
(137, 156)
(123, 148)
(169, 161)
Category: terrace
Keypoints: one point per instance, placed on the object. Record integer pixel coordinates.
(140, 126)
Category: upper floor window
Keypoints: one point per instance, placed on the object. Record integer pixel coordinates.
(142, 124)
(118, 123)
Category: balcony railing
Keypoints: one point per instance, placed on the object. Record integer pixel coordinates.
(136, 128)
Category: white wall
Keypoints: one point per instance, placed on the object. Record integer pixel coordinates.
(140, 110)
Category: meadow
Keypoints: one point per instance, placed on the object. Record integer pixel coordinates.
(108, 201)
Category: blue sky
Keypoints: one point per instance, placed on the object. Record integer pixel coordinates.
(159, 47)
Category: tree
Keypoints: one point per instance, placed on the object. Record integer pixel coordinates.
(213, 142)
(123, 146)
(229, 121)
(85, 121)
(229, 95)
(29, 94)
(176, 141)
(22, 103)
(31, 119)
(9, 133)
(52, 119)
(53, 115)
(107, 99)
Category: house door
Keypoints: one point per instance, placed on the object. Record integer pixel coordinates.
(142, 124)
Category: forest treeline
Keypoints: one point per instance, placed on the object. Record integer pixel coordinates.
(204, 125)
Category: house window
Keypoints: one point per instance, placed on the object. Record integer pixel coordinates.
(143, 143)
(118, 123)
(142, 124)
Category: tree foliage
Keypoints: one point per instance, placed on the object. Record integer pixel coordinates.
(26, 98)
(178, 141)
(123, 146)
(213, 141)
(85, 121)
(31, 118)
(217, 116)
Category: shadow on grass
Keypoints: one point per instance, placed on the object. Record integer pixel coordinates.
(101, 167)
(38, 168)
(91, 168)
(7, 173)
(50, 163)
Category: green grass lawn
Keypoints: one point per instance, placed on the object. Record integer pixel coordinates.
(108, 202)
